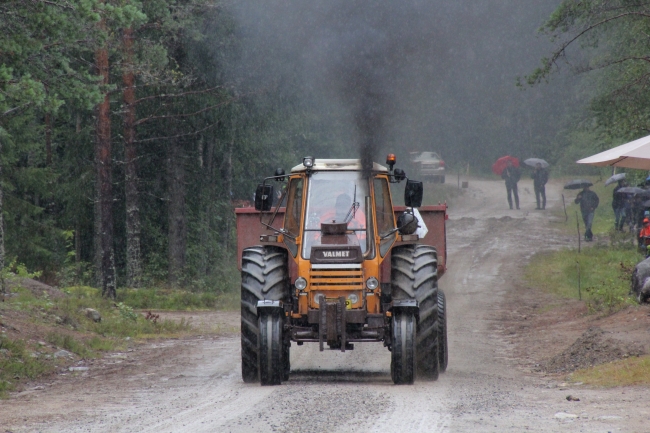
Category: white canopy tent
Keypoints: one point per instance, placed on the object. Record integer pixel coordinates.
(635, 154)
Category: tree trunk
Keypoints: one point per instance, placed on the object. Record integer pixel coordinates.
(177, 235)
(104, 181)
(97, 226)
(133, 256)
(48, 139)
(228, 191)
(2, 235)
(77, 253)
(209, 205)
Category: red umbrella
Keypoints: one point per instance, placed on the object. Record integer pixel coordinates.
(500, 165)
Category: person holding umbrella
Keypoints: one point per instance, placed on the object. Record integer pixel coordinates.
(588, 201)
(511, 175)
(540, 177)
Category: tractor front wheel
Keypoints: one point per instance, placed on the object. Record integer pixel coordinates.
(264, 276)
(402, 366)
(271, 350)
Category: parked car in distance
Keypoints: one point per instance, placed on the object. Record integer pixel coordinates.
(429, 165)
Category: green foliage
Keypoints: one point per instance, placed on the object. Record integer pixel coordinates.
(606, 39)
(126, 312)
(17, 271)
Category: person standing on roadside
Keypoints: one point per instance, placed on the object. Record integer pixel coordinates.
(588, 201)
(540, 177)
(511, 175)
(619, 205)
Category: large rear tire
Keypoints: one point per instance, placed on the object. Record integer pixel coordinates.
(403, 350)
(414, 271)
(264, 275)
(442, 331)
(271, 350)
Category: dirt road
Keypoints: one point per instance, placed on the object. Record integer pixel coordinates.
(195, 385)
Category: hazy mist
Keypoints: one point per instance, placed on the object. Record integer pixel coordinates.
(410, 75)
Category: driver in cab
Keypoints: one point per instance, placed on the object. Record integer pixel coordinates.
(346, 211)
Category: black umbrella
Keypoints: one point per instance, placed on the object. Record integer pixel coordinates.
(615, 178)
(646, 203)
(577, 184)
(632, 190)
(534, 161)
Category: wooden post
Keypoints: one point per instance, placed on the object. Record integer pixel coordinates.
(579, 286)
(578, 228)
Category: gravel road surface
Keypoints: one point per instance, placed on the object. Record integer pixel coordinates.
(194, 385)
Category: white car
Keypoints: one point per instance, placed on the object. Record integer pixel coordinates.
(430, 166)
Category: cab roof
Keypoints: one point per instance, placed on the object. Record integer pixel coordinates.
(338, 165)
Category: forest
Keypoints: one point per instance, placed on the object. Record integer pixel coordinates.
(130, 130)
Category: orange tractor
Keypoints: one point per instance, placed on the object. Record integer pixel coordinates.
(333, 262)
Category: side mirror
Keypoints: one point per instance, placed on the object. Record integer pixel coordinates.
(263, 197)
(413, 193)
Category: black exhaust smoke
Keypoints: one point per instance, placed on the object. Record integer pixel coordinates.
(369, 105)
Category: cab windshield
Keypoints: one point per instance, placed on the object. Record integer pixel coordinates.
(335, 196)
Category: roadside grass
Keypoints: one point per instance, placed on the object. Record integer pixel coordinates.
(625, 372)
(604, 275)
(16, 363)
(64, 324)
(167, 299)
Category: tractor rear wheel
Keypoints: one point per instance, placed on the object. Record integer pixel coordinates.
(271, 350)
(414, 271)
(403, 350)
(264, 275)
(442, 331)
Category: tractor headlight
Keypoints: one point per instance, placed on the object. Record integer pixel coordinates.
(353, 298)
(308, 161)
(372, 283)
(301, 283)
